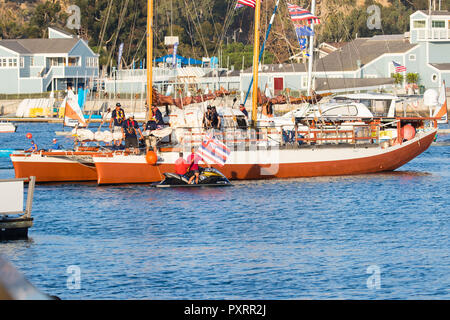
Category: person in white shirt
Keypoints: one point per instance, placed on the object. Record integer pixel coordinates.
(70, 93)
(267, 92)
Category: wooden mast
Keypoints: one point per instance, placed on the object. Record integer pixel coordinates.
(149, 57)
(255, 64)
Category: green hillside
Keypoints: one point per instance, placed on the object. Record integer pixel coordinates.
(205, 27)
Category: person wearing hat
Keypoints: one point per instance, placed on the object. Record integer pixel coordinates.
(207, 117)
(158, 116)
(150, 140)
(130, 130)
(117, 118)
(215, 119)
(56, 145)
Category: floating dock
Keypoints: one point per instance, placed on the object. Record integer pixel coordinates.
(14, 221)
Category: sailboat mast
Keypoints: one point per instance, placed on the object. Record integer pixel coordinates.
(149, 56)
(311, 51)
(256, 63)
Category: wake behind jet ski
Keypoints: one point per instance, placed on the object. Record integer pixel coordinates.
(208, 177)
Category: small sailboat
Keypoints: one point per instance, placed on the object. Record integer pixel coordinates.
(7, 127)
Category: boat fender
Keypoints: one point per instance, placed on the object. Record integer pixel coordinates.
(151, 158)
(408, 132)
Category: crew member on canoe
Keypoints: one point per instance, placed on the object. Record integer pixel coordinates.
(33, 147)
(243, 110)
(158, 117)
(215, 119)
(193, 161)
(150, 140)
(130, 130)
(117, 117)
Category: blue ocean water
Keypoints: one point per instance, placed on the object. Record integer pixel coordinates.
(379, 236)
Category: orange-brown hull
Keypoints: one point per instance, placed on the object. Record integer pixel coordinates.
(54, 172)
(122, 172)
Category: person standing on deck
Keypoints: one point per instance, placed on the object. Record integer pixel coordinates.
(158, 117)
(243, 110)
(117, 118)
(150, 139)
(215, 119)
(130, 129)
(267, 92)
(70, 93)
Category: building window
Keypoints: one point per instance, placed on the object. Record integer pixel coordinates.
(434, 77)
(56, 62)
(419, 24)
(304, 82)
(412, 57)
(438, 24)
(12, 62)
(22, 62)
(32, 61)
(74, 61)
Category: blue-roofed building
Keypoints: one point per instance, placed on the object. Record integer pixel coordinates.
(41, 65)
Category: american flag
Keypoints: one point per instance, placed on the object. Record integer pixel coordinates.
(299, 14)
(250, 3)
(399, 67)
(213, 151)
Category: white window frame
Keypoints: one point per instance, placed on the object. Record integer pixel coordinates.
(76, 65)
(433, 21)
(412, 57)
(22, 62)
(421, 20)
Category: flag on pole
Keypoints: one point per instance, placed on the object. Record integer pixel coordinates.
(238, 5)
(304, 31)
(119, 56)
(212, 150)
(299, 14)
(250, 3)
(399, 67)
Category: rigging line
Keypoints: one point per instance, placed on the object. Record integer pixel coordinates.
(139, 45)
(102, 33)
(132, 30)
(121, 18)
(200, 31)
(197, 29)
(227, 23)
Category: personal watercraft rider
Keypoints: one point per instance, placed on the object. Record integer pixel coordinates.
(193, 161)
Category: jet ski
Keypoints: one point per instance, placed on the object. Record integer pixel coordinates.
(208, 177)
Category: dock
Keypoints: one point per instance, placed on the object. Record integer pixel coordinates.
(14, 221)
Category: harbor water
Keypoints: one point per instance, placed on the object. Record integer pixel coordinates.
(378, 236)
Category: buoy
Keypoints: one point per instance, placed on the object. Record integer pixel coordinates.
(29, 135)
(408, 132)
(151, 157)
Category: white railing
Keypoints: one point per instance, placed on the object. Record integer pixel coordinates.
(433, 34)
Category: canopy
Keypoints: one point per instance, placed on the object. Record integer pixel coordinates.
(184, 61)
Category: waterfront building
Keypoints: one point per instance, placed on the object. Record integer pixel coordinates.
(367, 63)
(40, 65)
